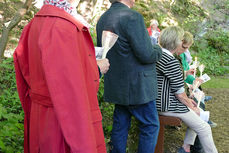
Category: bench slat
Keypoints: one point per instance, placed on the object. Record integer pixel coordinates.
(168, 120)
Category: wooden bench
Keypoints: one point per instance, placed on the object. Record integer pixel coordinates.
(165, 120)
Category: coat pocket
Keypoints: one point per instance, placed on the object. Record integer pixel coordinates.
(144, 88)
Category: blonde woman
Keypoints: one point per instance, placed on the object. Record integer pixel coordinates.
(172, 99)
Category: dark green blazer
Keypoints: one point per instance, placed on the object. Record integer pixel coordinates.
(131, 78)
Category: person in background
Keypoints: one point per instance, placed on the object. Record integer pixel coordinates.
(184, 57)
(57, 80)
(131, 82)
(154, 31)
(172, 99)
(187, 59)
(188, 56)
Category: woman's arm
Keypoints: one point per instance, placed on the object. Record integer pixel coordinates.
(183, 98)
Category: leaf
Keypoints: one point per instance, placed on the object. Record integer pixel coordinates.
(2, 146)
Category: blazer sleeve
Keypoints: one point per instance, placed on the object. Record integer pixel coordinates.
(140, 40)
(64, 72)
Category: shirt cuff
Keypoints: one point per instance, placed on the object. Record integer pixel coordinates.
(181, 90)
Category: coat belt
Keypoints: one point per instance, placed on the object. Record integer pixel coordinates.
(41, 99)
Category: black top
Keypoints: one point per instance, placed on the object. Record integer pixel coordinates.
(131, 78)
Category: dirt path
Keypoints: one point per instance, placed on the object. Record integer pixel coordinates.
(219, 112)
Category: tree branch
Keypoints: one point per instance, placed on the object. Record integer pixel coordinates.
(8, 27)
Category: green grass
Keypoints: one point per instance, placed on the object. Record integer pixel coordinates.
(217, 82)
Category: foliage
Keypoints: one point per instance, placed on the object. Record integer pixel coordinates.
(11, 114)
(218, 39)
(213, 51)
(107, 113)
(93, 35)
(188, 13)
(211, 59)
(151, 10)
(222, 6)
(184, 13)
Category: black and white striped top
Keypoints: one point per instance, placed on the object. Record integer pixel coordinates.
(170, 80)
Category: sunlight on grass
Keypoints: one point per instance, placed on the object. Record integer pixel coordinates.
(217, 82)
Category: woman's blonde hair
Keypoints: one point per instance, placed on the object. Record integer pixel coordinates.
(188, 38)
(171, 37)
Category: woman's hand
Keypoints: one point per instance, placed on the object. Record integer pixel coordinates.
(193, 106)
(183, 98)
(103, 65)
(196, 110)
(200, 81)
(192, 102)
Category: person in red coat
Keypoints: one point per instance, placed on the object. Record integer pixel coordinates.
(153, 27)
(57, 80)
(153, 31)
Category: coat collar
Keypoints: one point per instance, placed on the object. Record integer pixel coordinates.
(49, 10)
(119, 4)
(167, 51)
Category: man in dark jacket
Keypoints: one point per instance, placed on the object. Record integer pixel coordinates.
(131, 82)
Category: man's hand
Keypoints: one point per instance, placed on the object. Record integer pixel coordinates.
(103, 65)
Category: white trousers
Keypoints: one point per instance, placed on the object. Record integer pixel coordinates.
(196, 126)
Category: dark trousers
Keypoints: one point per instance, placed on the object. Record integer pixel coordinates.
(147, 115)
(197, 147)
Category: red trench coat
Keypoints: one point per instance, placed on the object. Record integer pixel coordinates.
(58, 79)
(150, 31)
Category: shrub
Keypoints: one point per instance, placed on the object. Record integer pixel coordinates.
(11, 114)
(218, 39)
(213, 51)
(212, 61)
